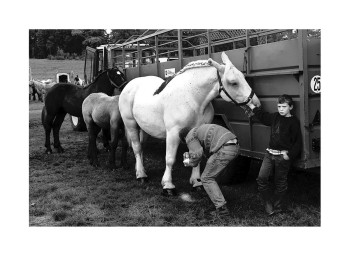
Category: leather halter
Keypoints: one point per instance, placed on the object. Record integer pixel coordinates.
(114, 84)
(222, 88)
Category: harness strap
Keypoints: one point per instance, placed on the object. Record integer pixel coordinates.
(114, 84)
(222, 88)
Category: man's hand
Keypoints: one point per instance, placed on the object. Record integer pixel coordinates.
(285, 154)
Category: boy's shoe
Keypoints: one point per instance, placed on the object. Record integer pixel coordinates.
(220, 213)
(266, 196)
(278, 204)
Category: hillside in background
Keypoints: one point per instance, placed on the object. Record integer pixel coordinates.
(43, 69)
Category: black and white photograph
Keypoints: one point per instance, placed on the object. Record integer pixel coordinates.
(115, 114)
(174, 128)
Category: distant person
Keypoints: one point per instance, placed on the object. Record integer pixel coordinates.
(284, 147)
(220, 146)
(76, 80)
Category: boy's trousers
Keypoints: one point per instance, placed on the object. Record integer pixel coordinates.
(276, 167)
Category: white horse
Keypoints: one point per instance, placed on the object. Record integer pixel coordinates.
(184, 102)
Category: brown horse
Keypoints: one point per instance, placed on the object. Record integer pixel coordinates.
(102, 111)
(63, 98)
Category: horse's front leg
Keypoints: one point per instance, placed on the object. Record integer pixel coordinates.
(56, 129)
(172, 143)
(195, 179)
(47, 121)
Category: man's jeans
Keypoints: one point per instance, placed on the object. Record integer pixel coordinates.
(215, 165)
(276, 167)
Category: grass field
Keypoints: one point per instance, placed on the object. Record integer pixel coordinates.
(43, 69)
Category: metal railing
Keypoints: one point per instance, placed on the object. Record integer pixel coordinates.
(164, 45)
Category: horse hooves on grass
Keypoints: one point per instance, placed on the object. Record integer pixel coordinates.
(60, 150)
(48, 151)
(169, 192)
(198, 188)
(143, 180)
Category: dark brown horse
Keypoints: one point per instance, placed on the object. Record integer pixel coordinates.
(101, 111)
(63, 98)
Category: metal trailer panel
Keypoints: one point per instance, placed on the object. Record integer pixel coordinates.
(236, 57)
(272, 69)
(278, 55)
(149, 70)
(167, 65)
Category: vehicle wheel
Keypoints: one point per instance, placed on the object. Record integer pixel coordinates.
(77, 123)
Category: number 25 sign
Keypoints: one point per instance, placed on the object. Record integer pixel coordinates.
(315, 84)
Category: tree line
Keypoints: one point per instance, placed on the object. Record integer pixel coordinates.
(71, 43)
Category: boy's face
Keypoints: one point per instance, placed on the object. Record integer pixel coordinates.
(284, 109)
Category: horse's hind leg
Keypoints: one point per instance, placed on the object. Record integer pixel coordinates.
(125, 146)
(47, 121)
(133, 133)
(56, 129)
(106, 136)
(114, 143)
(93, 131)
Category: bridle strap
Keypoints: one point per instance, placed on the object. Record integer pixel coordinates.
(113, 83)
(222, 88)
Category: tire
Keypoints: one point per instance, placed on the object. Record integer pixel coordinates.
(77, 123)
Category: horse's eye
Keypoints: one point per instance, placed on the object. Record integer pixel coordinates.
(234, 83)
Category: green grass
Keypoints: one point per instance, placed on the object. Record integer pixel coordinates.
(43, 69)
(66, 191)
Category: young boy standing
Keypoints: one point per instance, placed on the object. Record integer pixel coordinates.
(284, 147)
(221, 146)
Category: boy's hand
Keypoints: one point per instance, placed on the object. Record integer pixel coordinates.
(250, 105)
(285, 154)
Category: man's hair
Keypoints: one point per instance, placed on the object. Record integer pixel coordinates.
(183, 133)
(285, 98)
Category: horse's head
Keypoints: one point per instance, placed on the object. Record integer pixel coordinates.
(116, 77)
(233, 86)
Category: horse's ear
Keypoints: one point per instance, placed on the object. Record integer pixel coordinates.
(213, 63)
(225, 59)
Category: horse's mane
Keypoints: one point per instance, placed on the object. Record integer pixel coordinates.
(99, 75)
(194, 64)
(162, 86)
(191, 65)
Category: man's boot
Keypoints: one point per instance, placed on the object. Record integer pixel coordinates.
(279, 202)
(266, 196)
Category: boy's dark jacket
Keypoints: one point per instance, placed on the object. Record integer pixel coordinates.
(285, 132)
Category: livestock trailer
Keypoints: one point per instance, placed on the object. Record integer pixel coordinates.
(274, 62)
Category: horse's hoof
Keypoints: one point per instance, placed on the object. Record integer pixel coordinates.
(143, 180)
(169, 192)
(60, 150)
(114, 167)
(48, 152)
(198, 188)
